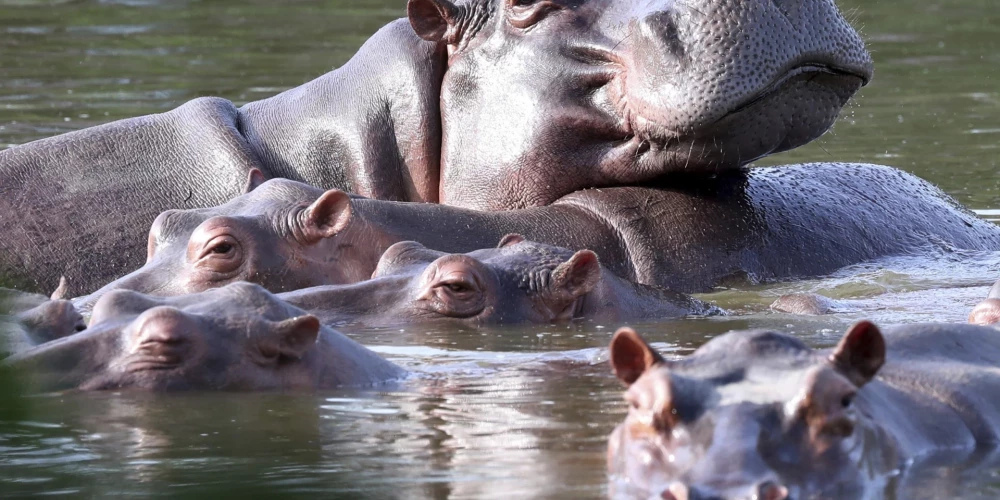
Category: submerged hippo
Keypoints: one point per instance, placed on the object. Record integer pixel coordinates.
(987, 312)
(761, 415)
(517, 282)
(239, 337)
(484, 104)
(689, 238)
(36, 318)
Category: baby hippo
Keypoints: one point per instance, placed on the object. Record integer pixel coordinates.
(238, 337)
(517, 282)
(758, 414)
(987, 312)
(39, 319)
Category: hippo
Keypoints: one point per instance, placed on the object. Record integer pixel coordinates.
(237, 337)
(749, 226)
(758, 414)
(487, 104)
(987, 312)
(809, 304)
(519, 281)
(37, 318)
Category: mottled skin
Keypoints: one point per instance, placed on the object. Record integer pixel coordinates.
(517, 282)
(809, 304)
(759, 414)
(239, 337)
(500, 104)
(987, 312)
(761, 224)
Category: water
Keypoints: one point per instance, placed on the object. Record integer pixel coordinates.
(510, 413)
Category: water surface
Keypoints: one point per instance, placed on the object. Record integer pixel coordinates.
(508, 413)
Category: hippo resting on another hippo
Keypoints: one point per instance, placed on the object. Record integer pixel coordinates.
(239, 337)
(490, 104)
(286, 235)
(517, 282)
(761, 415)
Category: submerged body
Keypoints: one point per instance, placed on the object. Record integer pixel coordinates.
(239, 337)
(517, 282)
(760, 225)
(759, 414)
(487, 104)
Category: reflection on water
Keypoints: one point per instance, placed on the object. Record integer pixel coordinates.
(517, 412)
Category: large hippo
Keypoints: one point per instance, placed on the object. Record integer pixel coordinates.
(484, 104)
(760, 224)
(238, 337)
(759, 414)
(519, 281)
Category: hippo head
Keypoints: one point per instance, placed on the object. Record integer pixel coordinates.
(519, 281)
(749, 415)
(238, 337)
(279, 234)
(545, 97)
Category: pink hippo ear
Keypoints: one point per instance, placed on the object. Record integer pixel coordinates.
(292, 338)
(510, 239)
(327, 216)
(631, 356)
(254, 178)
(860, 354)
(434, 20)
(579, 275)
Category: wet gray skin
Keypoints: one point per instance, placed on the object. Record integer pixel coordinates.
(238, 337)
(987, 312)
(38, 318)
(517, 282)
(496, 104)
(758, 414)
(761, 224)
(279, 235)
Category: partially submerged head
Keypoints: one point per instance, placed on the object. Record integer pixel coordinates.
(519, 281)
(238, 337)
(545, 97)
(281, 234)
(749, 415)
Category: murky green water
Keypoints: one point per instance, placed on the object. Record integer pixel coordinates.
(515, 413)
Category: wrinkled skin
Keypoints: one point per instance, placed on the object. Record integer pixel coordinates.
(632, 90)
(517, 282)
(239, 337)
(987, 312)
(808, 304)
(759, 414)
(763, 224)
(589, 93)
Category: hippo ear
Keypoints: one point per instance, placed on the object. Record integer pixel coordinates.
(293, 337)
(510, 239)
(254, 178)
(861, 353)
(327, 216)
(433, 20)
(631, 356)
(61, 290)
(578, 275)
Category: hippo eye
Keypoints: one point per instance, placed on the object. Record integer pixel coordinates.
(458, 287)
(222, 248)
(847, 400)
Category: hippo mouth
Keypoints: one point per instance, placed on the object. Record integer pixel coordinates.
(153, 363)
(810, 71)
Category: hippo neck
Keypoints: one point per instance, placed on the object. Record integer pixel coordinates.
(371, 127)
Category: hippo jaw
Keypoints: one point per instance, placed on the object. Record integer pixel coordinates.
(545, 98)
(750, 415)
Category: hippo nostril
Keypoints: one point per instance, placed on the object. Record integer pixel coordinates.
(661, 29)
(770, 490)
(162, 329)
(676, 491)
